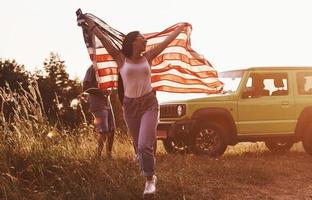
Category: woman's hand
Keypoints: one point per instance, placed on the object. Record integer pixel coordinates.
(179, 28)
(90, 23)
(152, 53)
(182, 25)
(86, 23)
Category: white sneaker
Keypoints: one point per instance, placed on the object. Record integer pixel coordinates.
(136, 158)
(150, 186)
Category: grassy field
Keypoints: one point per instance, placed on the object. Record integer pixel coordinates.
(70, 170)
(39, 162)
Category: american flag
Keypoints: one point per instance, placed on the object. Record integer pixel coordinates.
(177, 69)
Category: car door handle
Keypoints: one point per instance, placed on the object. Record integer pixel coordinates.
(285, 103)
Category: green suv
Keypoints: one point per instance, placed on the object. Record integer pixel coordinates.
(269, 104)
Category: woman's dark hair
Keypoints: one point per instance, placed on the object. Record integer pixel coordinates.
(127, 48)
(121, 90)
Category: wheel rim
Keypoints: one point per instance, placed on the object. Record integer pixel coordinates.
(207, 140)
(178, 145)
(282, 144)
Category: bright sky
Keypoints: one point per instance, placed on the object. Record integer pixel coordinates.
(230, 34)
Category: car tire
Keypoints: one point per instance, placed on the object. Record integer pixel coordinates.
(279, 146)
(210, 139)
(307, 140)
(171, 145)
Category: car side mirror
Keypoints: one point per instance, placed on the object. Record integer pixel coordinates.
(246, 95)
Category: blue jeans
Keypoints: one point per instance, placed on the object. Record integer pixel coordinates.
(141, 116)
(105, 122)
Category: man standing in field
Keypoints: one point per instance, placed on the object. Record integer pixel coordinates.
(100, 107)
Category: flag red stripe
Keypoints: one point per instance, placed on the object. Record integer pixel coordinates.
(178, 79)
(178, 56)
(167, 88)
(107, 71)
(104, 58)
(111, 84)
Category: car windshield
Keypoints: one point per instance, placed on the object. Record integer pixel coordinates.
(231, 80)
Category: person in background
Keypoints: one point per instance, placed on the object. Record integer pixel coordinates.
(100, 107)
(140, 103)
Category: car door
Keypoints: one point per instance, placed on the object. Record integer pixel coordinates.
(265, 113)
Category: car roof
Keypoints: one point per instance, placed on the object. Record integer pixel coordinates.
(270, 68)
(280, 68)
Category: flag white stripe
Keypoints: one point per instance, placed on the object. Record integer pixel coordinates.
(199, 68)
(178, 49)
(159, 39)
(106, 64)
(109, 78)
(100, 51)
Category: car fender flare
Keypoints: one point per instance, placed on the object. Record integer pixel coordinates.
(218, 114)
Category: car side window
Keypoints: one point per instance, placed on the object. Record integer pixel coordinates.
(268, 84)
(304, 83)
(279, 85)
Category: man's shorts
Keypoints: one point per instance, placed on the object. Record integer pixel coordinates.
(104, 121)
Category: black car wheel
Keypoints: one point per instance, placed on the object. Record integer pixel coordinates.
(307, 140)
(209, 139)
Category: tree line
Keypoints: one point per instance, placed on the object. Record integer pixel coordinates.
(63, 101)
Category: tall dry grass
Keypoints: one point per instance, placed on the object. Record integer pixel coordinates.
(40, 162)
(37, 161)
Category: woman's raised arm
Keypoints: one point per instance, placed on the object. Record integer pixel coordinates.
(113, 51)
(151, 54)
